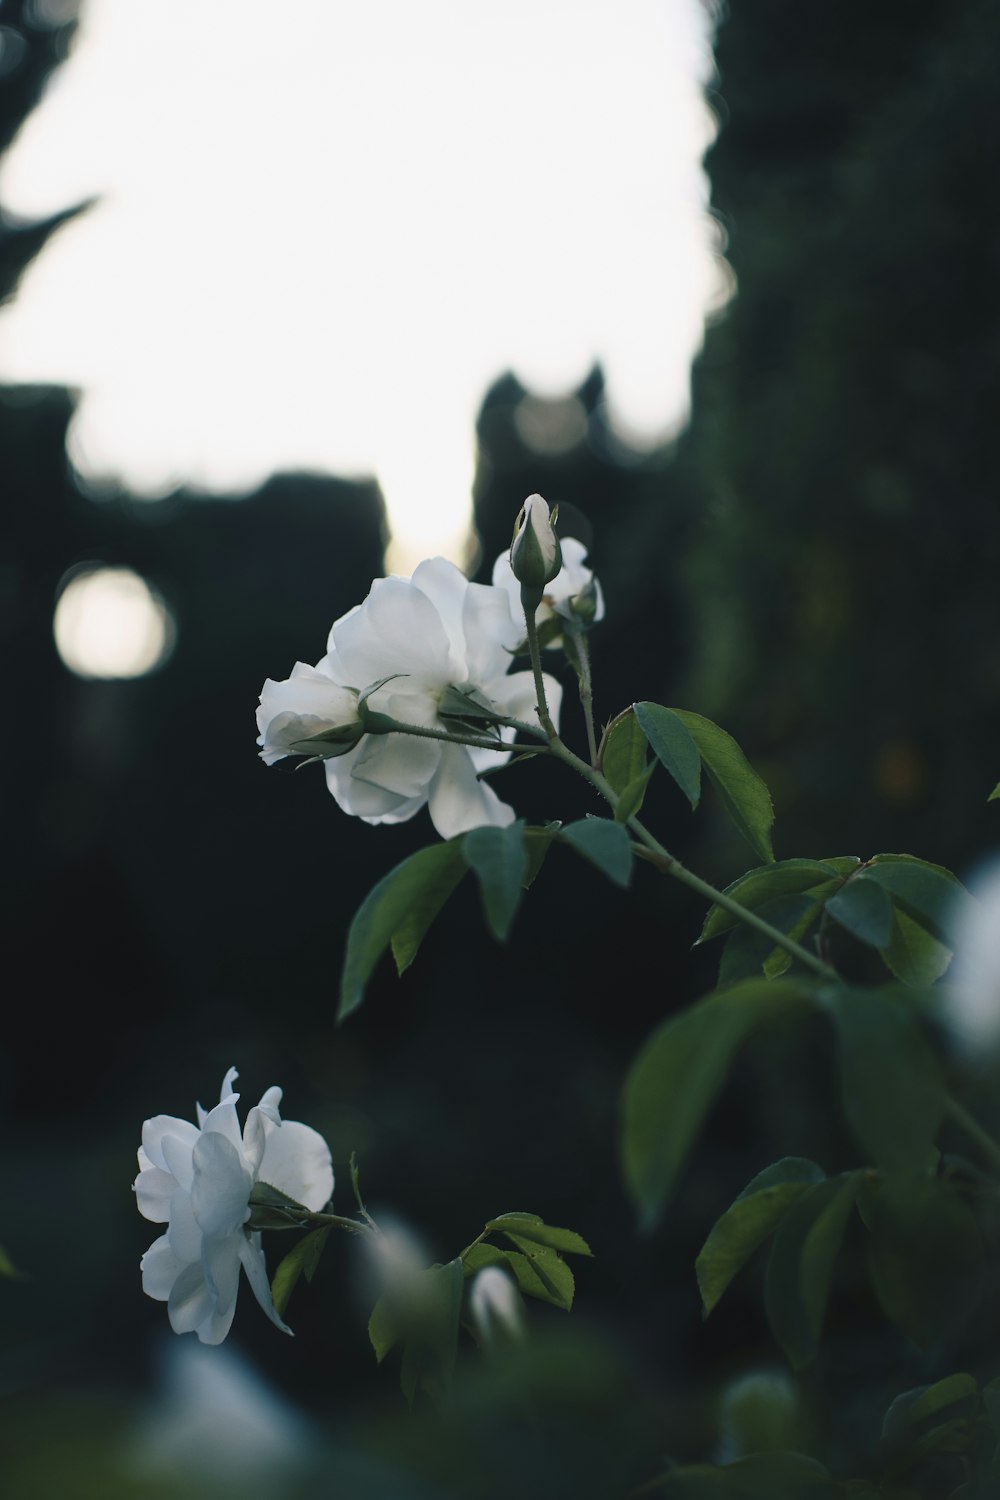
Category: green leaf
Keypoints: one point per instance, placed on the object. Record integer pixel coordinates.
(801, 1263)
(758, 1476)
(928, 893)
(674, 746)
(383, 1328)
(498, 859)
(994, 794)
(786, 877)
(890, 1081)
(677, 1076)
(438, 886)
(537, 843)
(623, 753)
(385, 909)
(925, 1401)
(747, 953)
(746, 1224)
(925, 1254)
(538, 1271)
(605, 843)
(633, 795)
(912, 955)
(531, 1227)
(429, 1319)
(301, 1260)
(865, 909)
(742, 792)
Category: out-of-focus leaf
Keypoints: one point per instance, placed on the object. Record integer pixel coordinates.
(891, 1086)
(8, 1270)
(741, 791)
(386, 909)
(605, 843)
(537, 843)
(301, 1260)
(912, 1407)
(674, 746)
(676, 1078)
(801, 1263)
(994, 794)
(429, 1323)
(759, 1476)
(748, 1221)
(633, 795)
(383, 1329)
(439, 885)
(538, 1271)
(498, 859)
(925, 1252)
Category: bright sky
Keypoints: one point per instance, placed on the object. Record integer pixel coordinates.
(325, 227)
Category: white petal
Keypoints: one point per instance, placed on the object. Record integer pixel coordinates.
(160, 1269)
(253, 1140)
(252, 1257)
(226, 1092)
(297, 1162)
(220, 1261)
(397, 629)
(183, 1231)
(269, 1102)
(362, 800)
(490, 633)
(223, 1120)
(154, 1130)
(398, 763)
(457, 801)
(191, 1308)
(153, 1192)
(221, 1191)
(445, 586)
(177, 1155)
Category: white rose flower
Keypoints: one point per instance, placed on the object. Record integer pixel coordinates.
(197, 1179)
(573, 584)
(430, 633)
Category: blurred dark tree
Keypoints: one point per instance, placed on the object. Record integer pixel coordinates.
(842, 456)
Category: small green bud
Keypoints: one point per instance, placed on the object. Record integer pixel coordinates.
(535, 554)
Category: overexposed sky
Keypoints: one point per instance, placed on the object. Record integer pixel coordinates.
(324, 228)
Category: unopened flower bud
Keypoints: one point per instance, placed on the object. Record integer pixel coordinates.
(307, 714)
(496, 1308)
(583, 606)
(535, 554)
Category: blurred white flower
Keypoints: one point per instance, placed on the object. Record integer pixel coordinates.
(973, 1011)
(574, 594)
(429, 634)
(197, 1179)
(306, 704)
(535, 557)
(496, 1307)
(216, 1428)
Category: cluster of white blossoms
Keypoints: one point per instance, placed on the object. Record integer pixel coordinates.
(197, 1179)
(402, 654)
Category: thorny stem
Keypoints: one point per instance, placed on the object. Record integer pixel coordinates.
(528, 602)
(579, 639)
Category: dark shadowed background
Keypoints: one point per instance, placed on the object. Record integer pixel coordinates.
(813, 564)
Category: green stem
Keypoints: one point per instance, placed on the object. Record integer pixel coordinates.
(427, 732)
(989, 1147)
(666, 862)
(529, 604)
(579, 639)
(337, 1221)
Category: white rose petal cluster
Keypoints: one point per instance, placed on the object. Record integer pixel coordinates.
(197, 1179)
(430, 633)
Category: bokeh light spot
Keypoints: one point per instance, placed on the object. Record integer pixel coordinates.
(109, 623)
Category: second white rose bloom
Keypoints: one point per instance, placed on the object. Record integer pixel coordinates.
(197, 1179)
(429, 634)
